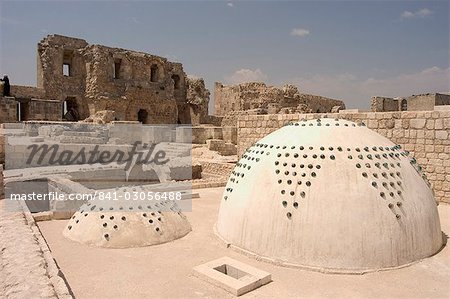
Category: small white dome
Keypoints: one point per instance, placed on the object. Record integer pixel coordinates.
(126, 223)
(330, 195)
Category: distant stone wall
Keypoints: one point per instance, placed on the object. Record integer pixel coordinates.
(319, 103)
(2, 148)
(220, 146)
(197, 97)
(27, 92)
(30, 109)
(426, 134)
(442, 99)
(91, 78)
(45, 110)
(2, 186)
(421, 102)
(201, 134)
(214, 120)
(8, 110)
(271, 99)
(383, 104)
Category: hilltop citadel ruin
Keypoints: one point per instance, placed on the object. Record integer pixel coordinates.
(72, 74)
(287, 178)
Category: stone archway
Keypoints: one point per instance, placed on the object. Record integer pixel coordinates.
(142, 116)
(70, 109)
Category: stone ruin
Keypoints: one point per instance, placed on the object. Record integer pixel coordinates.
(101, 117)
(109, 95)
(258, 98)
(75, 80)
(198, 99)
(421, 102)
(78, 81)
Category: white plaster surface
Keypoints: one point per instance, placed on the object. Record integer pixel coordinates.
(330, 195)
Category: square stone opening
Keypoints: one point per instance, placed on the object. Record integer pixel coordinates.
(231, 275)
(231, 271)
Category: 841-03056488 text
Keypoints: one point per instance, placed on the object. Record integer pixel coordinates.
(101, 195)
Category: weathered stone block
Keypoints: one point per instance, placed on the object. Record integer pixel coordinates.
(417, 123)
(441, 134)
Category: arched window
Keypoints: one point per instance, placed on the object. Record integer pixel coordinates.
(176, 81)
(154, 73)
(404, 105)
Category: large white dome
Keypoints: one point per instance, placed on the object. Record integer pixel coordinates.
(330, 195)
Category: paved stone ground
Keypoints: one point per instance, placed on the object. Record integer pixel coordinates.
(23, 267)
(165, 270)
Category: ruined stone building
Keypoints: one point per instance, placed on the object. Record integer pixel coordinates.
(76, 79)
(421, 102)
(264, 99)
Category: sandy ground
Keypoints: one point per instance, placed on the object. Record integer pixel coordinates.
(165, 270)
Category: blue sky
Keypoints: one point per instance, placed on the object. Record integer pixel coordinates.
(350, 50)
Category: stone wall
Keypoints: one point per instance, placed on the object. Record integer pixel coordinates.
(2, 186)
(442, 99)
(202, 133)
(44, 110)
(425, 134)
(27, 92)
(138, 86)
(28, 109)
(8, 110)
(421, 102)
(427, 101)
(222, 147)
(89, 78)
(256, 95)
(2, 147)
(86, 78)
(197, 98)
(383, 104)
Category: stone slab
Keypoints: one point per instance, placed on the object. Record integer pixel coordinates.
(233, 276)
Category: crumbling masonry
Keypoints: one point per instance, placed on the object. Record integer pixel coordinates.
(257, 98)
(76, 80)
